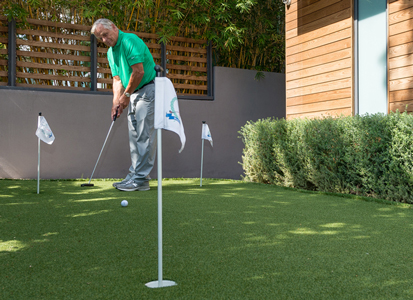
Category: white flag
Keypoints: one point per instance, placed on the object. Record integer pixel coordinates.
(167, 115)
(206, 134)
(44, 132)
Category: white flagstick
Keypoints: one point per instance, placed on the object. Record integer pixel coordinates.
(38, 155)
(202, 156)
(160, 283)
(202, 160)
(160, 251)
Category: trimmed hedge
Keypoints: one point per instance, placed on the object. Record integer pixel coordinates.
(367, 155)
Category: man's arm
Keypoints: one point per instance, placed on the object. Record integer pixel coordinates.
(120, 101)
(117, 88)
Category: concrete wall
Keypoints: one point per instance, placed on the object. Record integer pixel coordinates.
(81, 121)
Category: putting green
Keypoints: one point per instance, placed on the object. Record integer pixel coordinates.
(224, 240)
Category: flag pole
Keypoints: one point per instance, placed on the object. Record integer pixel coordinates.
(160, 282)
(202, 156)
(160, 251)
(38, 155)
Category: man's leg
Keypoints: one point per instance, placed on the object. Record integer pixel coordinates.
(142, 138)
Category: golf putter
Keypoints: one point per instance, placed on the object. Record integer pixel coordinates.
(91, 176)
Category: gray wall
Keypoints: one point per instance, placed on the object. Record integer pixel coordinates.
(81, 121)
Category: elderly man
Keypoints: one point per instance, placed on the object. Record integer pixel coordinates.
(132, 68)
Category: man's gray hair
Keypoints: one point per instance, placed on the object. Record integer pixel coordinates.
(106, 23)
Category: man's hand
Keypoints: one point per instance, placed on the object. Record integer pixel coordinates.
(120, 105)
(123, 101)
(120, 101)
(116, 111)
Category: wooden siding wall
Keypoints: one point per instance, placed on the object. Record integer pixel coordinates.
(400, 55)
(319, 54)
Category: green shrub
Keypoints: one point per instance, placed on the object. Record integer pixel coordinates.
(259, 138)
(367, 155)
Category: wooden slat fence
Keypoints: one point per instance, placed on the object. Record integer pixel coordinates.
(186, 62)
(53, 55)
(3, 51)
(56, 55)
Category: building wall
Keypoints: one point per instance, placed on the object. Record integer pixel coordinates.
(81, 122)
(319, 58)
(400, 57)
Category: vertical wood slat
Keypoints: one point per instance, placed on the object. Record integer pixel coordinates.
(319, 58)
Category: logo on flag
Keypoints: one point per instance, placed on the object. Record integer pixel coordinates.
(167, 115)
(44, 132)
(206, 134)
(172, 114)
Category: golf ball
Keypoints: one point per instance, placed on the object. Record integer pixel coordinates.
(124, 203)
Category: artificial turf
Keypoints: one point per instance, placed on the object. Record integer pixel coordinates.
(224, 240)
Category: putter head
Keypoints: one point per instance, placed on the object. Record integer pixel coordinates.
(87, 184)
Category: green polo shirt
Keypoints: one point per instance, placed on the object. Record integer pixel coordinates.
(130, 50)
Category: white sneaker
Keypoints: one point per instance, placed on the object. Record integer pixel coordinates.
(115, 184)
(131, 186)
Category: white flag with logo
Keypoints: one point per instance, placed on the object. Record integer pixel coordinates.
(167, 115)
(44, 132)
(206, 134)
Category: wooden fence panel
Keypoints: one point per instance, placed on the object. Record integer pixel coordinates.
(186, 63)
(58, 56)
(3, 51)
(53, 41)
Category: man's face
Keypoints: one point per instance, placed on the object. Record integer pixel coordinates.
(108, 36)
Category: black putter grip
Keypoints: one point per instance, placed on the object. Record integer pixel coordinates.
(116, 114)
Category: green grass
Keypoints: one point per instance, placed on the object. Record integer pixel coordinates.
(226, 240)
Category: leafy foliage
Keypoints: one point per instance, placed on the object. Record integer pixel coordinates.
(246, 34)
(367, 155)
